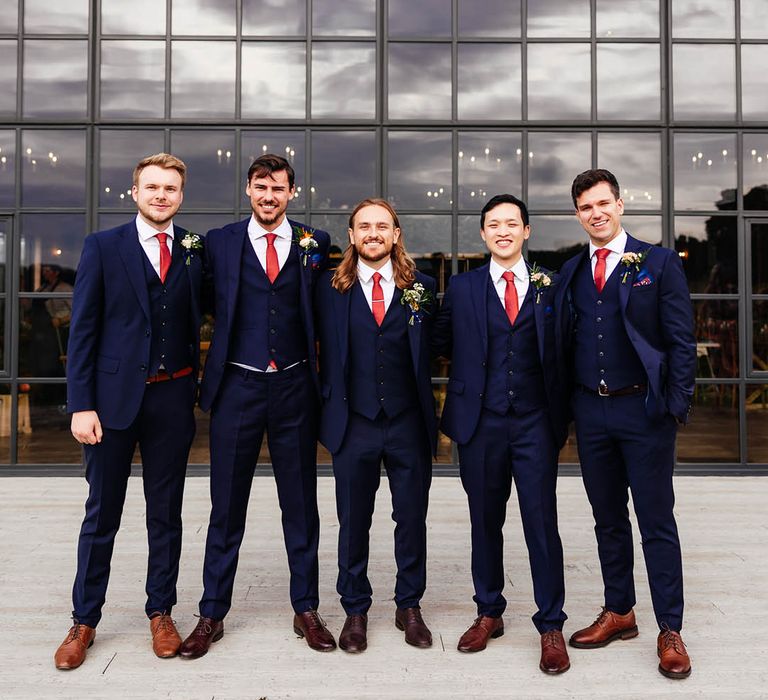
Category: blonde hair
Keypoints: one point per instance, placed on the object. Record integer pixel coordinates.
(163, 160)
(403, 266)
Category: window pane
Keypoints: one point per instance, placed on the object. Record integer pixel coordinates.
(133, 79)
(44, 17)
(423, 18)
(555, 239)
(699, 19)
(553, 161)
(44, 329)
(755, 163)
(707, 248)
(288, 144)
(43, 425)
(5, 238)
(343, 168)
(5, 423)
(627, 18)
(498, 18)
(635, 159)
(135, 17)
(754, 83)
(203, 17)
(713, 434)
(55, 78)
(558, 81)
(210, 159)
(757, 422)
(420, 81)
(344, 80)
(759, 262)
(717, 338)
(274, 17)
(9, 17)
(754, 20)
(120, 151)
(419, 172)
(490, 163)
(7, 168)
(336, 225)
(704, 83)
(644, 228)
(344, 17)
(53, 168)
(628, 81)
(486, 90)
(203, 79)
(274, 80)
(202, 223)
(705, 171)
(760, 336)
(50, 239)
(471, 245)
(425, 234)
(8, 59)
(558, 18)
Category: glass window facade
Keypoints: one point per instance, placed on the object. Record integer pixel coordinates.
(434, 111)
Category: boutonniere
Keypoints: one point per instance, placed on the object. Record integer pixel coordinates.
(191, 242)
(417, 299)
(630, 260)
(540, 280)
(305, 239)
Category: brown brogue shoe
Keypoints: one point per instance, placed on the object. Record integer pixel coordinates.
(165, 637)
(477, 636)
(312, 627)
(354, 634)
(417, 634)
(71, 652)
(206, 633)
(606, 628)
(674, 661)
(554, 655)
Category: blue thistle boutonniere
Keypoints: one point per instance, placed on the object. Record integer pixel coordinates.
(540, 280)
(417, 298)
(191, 242)
(305, 239)
(630, 260)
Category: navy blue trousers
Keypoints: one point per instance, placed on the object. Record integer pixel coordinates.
(401, 443)
(522, 448)
(284, 404)
(164, 429)
(621, 450)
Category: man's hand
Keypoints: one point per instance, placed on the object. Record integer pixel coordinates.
(86, 427)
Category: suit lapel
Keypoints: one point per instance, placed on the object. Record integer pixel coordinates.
(132, 255)
(414, 330)
(341, 314)
(625, 284)
(479, 292)
(234, 253)
(539, 309)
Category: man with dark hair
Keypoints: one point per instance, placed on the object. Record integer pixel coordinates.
(626, 322)
(504, 409)
(261, 375)
(131, 378)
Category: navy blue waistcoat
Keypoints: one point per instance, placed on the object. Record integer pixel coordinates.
(514, 377)
(602, 349)
(381, 375)
(171, 338)
(267, 324)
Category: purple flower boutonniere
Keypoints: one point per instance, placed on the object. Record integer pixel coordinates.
(305, 239)
(630, 260)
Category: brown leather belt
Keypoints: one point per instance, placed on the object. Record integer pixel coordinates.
(163, 376)
(624, 391)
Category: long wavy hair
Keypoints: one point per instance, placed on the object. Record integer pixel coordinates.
(402, 264)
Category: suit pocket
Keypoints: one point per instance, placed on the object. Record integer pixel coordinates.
(109, 365)
(455, 386)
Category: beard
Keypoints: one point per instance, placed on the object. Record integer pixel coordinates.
(159, 219)
(382, 253)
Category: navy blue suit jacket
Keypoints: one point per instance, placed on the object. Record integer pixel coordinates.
(658, 318)
(461, 334)
(333, 309)
(224, 252)
(111, 331)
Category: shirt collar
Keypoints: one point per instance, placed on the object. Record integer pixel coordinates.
(520, 270)
(255, 230)
(365, 272)
(617, 245)
(146, 232)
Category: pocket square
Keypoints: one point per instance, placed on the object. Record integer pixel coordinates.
(645, 282)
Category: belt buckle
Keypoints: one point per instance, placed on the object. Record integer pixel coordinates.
(602, 389)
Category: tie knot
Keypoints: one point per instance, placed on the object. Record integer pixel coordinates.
(376, 277)
(602, 253)
(509, 276)
(271, 238)
(162, 237)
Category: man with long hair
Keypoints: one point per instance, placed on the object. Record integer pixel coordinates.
(374, 317)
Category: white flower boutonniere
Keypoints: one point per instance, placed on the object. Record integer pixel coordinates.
(417, 298)
(306, 242)
(630, 260)
(191, 242)
(540, 280)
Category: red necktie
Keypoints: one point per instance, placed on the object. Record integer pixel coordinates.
(377, 298)
(165, 255)
(273, 266)
(510, 297)
(602, 254)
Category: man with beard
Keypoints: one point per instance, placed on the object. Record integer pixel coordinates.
(261, 375)
(132, 362)
(373, 321)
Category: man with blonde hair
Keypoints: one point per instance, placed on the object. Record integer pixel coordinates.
(132, 361)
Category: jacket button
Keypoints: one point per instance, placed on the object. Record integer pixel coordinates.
(599, 302)
(600, 336)
(143, 368)
(599, 319)
(601, 354)
(345, 398)
(272, 350)
(481, 396)
(272, 311)
(512, 393)
(272, 331)
(483, 364)
(148, 334)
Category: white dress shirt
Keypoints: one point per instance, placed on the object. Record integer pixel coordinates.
(257, 236)
(387, 282)
(616, 246)
(150, 244)
(522, 280)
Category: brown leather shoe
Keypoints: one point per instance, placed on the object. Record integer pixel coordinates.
(477, 636)
(354, 634)
(312, 627)
(71, 652)
(206, 633)
(417, 634)
(673, 658)
(607, 627)
(165, 638)
(554, 655)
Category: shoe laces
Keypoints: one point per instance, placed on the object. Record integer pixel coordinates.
(203, 628)
(413, 616)
(74, 632)
(552, 638)
(164, 622)
(670, 638)
(602, 618)
(314, 620)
